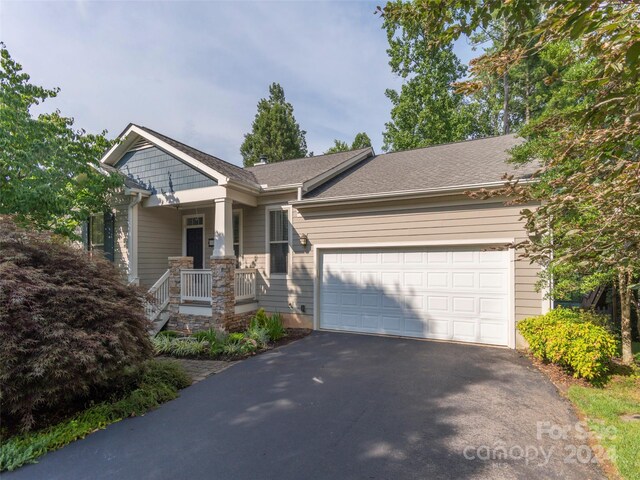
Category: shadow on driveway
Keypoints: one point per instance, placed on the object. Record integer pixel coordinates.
(343, 406)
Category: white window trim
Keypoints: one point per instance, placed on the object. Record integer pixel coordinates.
(269, 209)
(184, 236)
(240, 240)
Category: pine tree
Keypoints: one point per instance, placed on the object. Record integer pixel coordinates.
(274, 132)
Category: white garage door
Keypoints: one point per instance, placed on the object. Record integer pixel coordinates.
(447, 294)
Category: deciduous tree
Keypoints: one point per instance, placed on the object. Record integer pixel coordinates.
(587, 138)
(49, 171)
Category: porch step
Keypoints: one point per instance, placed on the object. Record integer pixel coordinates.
(159, 322)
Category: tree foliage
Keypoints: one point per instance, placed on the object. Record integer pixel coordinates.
(49, 172)
(427, 110)
(361, 140)
(586, 138)
(274, 132)
(69, 325)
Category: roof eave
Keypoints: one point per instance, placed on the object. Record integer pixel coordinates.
(398, 195)
(281, 188)
(135, 191)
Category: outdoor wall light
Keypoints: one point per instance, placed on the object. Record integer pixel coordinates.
(304, 239)
(211, 242)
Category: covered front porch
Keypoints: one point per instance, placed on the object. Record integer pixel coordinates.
(204, 281)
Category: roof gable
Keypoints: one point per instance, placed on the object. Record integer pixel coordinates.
(161, 173)
(219, 170)
(298, 171)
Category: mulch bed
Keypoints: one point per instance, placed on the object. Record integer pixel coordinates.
(293, 334)
(558, 375)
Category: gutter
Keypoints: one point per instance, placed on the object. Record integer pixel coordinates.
(397, 195)
(281, 188)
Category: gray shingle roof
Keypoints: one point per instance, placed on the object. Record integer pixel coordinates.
(299, 170)
(469, 162)
(225, 168)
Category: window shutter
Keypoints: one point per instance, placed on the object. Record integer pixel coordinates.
(109, 235)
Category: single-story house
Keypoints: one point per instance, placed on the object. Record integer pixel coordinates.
(353, 241)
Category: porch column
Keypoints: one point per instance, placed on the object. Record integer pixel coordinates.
(175, 265)
(223, 266)
(223, 223)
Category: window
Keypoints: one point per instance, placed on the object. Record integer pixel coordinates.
(100, 234)
(237, 235)
(195, 221)
(278, 241)
(96, 233)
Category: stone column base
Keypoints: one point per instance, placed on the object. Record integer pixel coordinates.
(223, 298)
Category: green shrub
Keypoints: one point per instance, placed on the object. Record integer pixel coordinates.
(155, 382)
(570, 339)
(215, 338)
(235, 337)
(259, 334)
(168, 333)
(273, 324)
(69, 326)
(239, 344)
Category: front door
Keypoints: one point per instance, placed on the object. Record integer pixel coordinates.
(195, 238)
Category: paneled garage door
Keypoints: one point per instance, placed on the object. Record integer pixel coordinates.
(447, 294)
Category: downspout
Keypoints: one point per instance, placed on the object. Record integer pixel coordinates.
(132, 240)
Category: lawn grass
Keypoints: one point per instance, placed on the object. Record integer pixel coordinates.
(159, 382)
(603, 408)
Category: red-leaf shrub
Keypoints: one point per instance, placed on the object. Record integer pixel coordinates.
(69, 326)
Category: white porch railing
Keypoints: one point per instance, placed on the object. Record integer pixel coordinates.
(195, 285)
(245, 284)
(160, 293)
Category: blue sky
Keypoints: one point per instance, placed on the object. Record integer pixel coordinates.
(196, 70)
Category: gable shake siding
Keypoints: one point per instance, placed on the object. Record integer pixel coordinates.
(418, 220)
(160, 172)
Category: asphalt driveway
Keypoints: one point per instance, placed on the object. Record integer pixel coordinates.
(345, 406)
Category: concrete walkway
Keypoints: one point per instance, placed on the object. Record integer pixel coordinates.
(344, 406)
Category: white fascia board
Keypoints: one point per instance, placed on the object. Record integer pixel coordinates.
(266, 189)
(135, 191)
(402, 194)
(253, 189)
(337, 170)
(122, 145)
(198, 195)
(116, 152)
(455, 242)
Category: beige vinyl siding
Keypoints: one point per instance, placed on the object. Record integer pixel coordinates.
(159, 237)
(414, 221)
